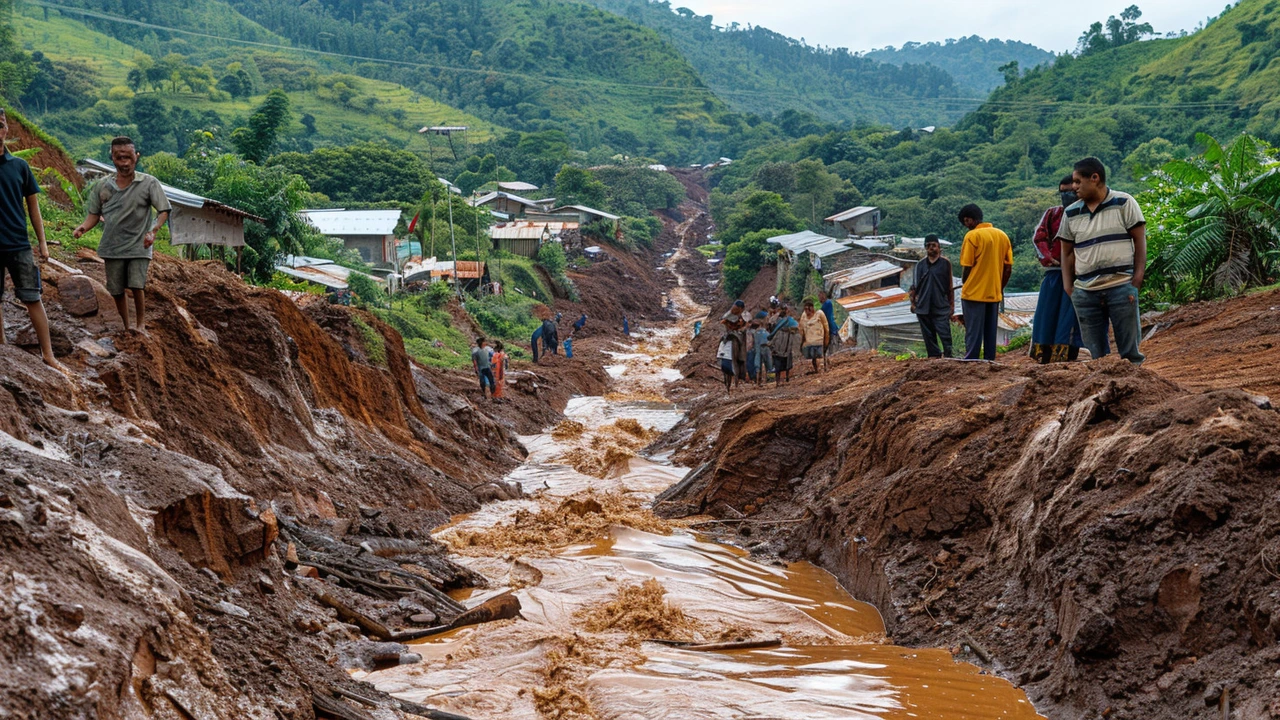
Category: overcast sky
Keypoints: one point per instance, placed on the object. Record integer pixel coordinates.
(868, 24)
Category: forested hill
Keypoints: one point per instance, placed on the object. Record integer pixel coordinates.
(1223, 80)
(974, 62)
(757, 70)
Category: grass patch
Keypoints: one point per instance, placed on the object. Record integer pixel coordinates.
(710, 251)
(375, 346)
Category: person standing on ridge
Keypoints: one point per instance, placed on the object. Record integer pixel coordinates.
(482, 361)
(499, 362)
(123, 203)
(550, 337)
(1055, 332)
(987, 261)
(20, 198)
(833, 330)
(782, 341)
(1104, 260)
(736, 325)
(933, 298)
(760, 347)
(814, 335)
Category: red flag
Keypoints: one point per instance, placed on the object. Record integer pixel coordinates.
(413, 223)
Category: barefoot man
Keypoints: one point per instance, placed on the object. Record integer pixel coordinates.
(19, 196)
(123, 203)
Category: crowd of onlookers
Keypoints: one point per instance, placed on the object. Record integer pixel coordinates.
(1092, 245)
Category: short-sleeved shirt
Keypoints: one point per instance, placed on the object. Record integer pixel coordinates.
(482, 357)
(933, 286)
(987, 251)
(126, 214)
(17, 183)
(1103, 246)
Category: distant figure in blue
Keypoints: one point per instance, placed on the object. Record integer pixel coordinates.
(626, 328)
(829, 309)
(537, 336)
(577, 324)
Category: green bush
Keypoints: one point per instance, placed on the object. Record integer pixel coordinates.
(375, 346)
(366, 290)
(437, 295)
(509, 319)
(551, 258)
(642, 230)
(799, 277)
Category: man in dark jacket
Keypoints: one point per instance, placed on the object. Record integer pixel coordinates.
(933, 298)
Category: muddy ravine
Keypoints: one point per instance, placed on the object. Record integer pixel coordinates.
(609, 593)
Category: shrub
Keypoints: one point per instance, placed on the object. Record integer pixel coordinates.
(375, 346)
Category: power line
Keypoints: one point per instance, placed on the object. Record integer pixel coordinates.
(690, 90)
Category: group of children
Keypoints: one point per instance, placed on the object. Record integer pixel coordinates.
(753, 346)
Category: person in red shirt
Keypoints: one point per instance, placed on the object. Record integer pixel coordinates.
(1055, 332)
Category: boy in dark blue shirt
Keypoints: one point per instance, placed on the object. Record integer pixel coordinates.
(19, 195)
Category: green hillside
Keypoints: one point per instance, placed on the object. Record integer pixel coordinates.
(973, 61)
(757, 70)
(360, 109)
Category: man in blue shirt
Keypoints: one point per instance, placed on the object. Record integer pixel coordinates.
(829, 309)
(20, 196)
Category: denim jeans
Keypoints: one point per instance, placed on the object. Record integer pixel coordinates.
(1115, 306)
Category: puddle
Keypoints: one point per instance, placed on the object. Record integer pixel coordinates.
(830, 662)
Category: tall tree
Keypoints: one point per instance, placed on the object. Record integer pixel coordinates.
(256, 141)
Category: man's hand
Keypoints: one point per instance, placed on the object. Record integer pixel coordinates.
(1137, 280)
(149, 239)
(42, 251)
(78, 232)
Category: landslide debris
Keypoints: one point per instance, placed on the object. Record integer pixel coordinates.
(1106, 537)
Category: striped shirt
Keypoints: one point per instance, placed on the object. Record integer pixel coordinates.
(1103, 247)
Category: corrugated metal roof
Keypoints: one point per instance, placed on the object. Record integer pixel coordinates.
(320, 271)
(517, 186)
(797, 242)
(829, 248)
(918, 243)
(352, 222)
(1025, 302)
(863, 274)
(486, 199)
(526, 230)
(467, 269)
(1015, 321)
(870, 244)
(851, 213)
(588, 211)
(885, 316)
(875, 298)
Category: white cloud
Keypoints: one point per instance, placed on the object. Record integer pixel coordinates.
(864, 25)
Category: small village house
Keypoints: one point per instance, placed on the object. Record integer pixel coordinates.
(371, 233)
(859, 221)
(508, 206)
(523, 237)
(863, 278)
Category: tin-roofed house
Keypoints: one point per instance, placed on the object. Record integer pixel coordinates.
(859, 221)
(369, 232)
(507, 205)
(863, 278)
(524, 237)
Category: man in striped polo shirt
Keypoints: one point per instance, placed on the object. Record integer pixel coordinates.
(1104, 256)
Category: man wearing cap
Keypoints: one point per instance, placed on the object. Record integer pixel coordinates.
(123, 203)
(735, 326)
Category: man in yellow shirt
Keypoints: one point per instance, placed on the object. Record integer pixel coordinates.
(987, 261)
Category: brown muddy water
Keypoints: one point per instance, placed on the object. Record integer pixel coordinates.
(606, 587)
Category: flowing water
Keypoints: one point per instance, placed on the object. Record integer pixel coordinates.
(567, 565)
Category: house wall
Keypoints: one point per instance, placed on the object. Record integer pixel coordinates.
(374, 249)
(201, 226)
(524, 247)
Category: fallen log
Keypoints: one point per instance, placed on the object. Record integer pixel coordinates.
(329, 707)
(720, 646)
(410, 708)
(360, 620)
(503, 607)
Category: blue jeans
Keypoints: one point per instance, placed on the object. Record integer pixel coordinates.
(1117, 306)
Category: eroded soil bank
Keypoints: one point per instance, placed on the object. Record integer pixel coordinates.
(1104, 536)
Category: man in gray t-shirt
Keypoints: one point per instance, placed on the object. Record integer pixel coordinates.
(482, 361)
(123, 203)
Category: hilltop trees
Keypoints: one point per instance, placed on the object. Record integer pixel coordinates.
(256, 141)
(1118, 31)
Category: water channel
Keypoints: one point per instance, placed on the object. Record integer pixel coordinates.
(832, 661)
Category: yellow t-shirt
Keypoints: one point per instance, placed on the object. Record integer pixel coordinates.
(986, 250)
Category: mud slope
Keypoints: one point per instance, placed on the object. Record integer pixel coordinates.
(150, 498)
(1100, 535)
